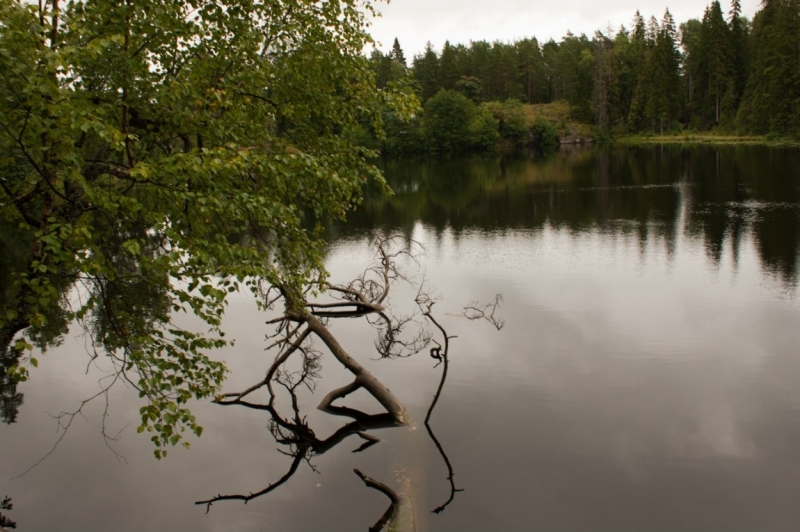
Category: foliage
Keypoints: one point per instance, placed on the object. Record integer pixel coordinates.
(5, 522)
(426, 72)
(544, 135)
(388, 68)
(471, 87)
(484, 130)
(510, 117)
(181, 151)
(771, 101)
(448, 117)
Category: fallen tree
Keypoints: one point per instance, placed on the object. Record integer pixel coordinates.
(302, 324)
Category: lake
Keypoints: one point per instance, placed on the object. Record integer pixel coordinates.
(646, 376)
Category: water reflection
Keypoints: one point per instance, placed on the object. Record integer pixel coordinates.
(646, 379)
(10, 398)
(5, 522)
(720, 195)
(297, 366)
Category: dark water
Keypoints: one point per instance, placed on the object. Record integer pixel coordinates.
(646, 377)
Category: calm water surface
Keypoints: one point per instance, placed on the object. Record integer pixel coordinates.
(646, 377)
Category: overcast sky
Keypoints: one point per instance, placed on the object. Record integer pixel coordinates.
(414, 22)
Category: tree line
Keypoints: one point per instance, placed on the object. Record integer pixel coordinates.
(722, 72)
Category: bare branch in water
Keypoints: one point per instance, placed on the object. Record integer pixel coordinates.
(441, 354)
(304, 321)
(477, 311)
(386, 490)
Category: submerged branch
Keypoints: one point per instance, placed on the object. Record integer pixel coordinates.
(247, 498)
(386, 490)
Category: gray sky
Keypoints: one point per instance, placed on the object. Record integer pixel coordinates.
(414, 22)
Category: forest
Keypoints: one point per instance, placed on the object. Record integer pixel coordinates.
(724, 74)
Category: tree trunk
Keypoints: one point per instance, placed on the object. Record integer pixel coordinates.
(364, 379)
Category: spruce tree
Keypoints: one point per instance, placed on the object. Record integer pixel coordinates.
(397, 53)
(426, 72)
(639, 58)
(690, 42)
(448, 66)
(772, 94)
(531, 76)
(664, 95)
(715, 63)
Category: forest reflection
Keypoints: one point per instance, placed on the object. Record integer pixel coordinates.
(719, 195)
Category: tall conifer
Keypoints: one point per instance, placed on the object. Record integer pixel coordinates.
(397, 53)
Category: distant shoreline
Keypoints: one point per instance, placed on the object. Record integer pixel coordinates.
(700, 138)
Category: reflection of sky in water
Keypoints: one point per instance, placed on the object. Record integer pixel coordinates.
(646, 378)
(623, 371)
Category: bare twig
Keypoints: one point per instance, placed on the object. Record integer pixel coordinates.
(477, 311)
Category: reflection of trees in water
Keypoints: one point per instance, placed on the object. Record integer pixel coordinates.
(10, 398)
(5, 522)
(296, 365)
(747, 191)
(721, 195)
(119, 312)
(13, 252)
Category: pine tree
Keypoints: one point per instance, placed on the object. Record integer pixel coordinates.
(601, 80)
(426, 72)
(690, 42)
(738, 56)
(550, 59)
(638, 60)
(626, 74)
(448, 66)
(505, 72)
(531, 75)
(663, 99)
(479, 65)
(772, 95)
(397, 53)
(715, 75)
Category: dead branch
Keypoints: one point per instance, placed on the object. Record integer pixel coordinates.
(363, 378)
(380, 486)
(64, 422)
(440, 353)
(247, 498)
(386, 490)
(477, 311)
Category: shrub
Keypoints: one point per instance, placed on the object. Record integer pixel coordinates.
(448, 117)
(483, 130)
(510, 117)
(544, 135)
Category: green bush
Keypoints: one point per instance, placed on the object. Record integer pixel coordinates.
(471, 87)
(403, 136)
(598, 135)
(544, 134)
(448, 117)
(510, 117)
(483, 130)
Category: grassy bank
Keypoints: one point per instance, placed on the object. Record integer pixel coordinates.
(709, 138)
(558, 114)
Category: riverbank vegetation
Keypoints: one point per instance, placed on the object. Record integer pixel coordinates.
(721, 75)
(160, 155)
